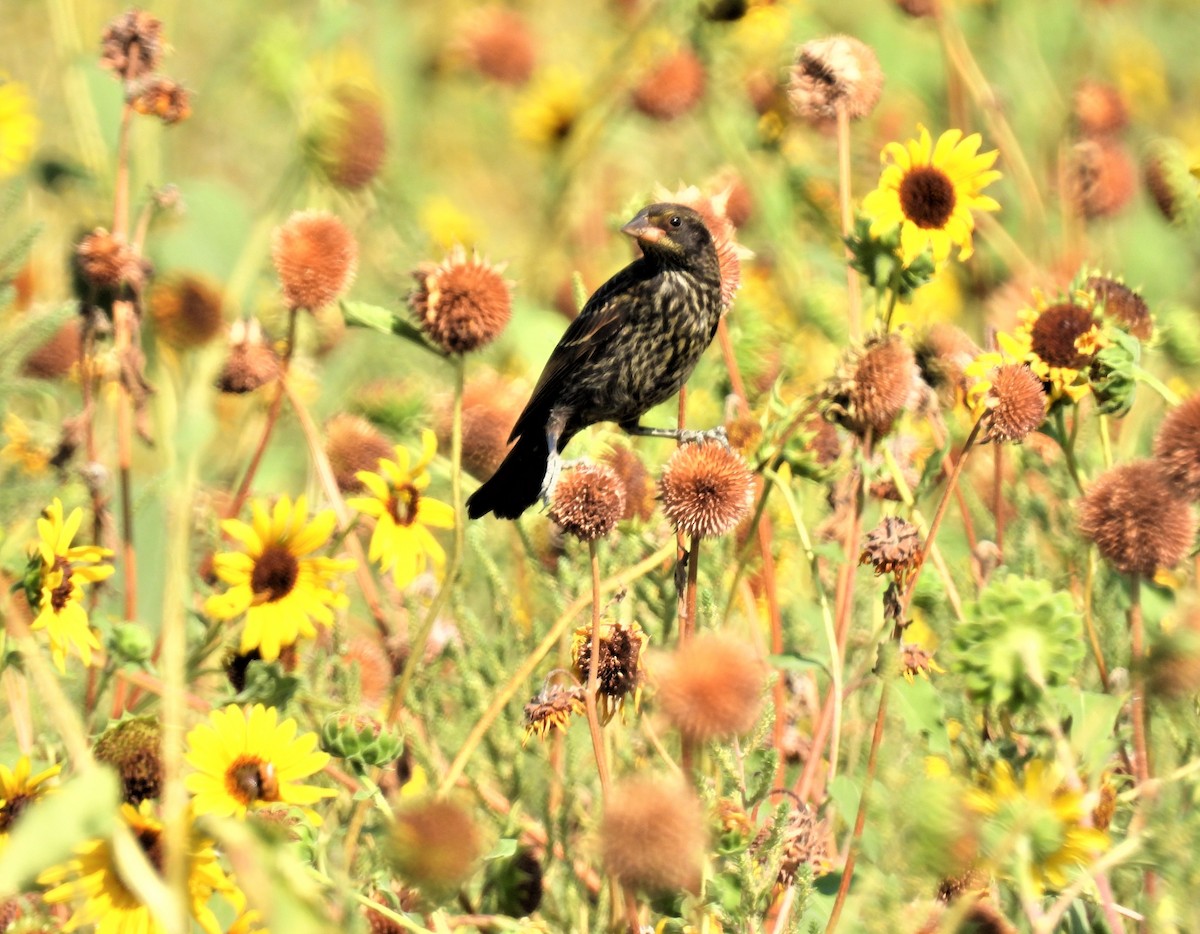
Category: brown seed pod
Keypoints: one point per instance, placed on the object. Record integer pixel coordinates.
(711, 687)
(315, 256)
(132, 44)
(652, 834)
(1177, 447)
(1015, 404)
(498, 43)
(352, 444)
(463, 303)
(672, 87)
(588, 501)
(835, 72)
(706, 490)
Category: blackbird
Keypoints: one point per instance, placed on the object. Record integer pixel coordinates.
(633, 346)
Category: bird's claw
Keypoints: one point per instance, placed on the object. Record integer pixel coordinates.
(554, 466)
(718, 434)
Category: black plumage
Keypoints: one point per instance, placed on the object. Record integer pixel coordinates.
(632, 347)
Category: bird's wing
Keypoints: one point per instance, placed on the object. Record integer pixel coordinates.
(590, 331)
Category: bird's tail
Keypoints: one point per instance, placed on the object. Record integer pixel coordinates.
(515, 485)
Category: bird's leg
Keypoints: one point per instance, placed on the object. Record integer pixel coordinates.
(682, 435)
(554, 463)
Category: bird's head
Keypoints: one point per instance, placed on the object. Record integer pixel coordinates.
(669, 230)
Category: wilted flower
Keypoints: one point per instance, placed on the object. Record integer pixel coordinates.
(1123, 304)
(588, 501)
(929, 191)
(832, 73)
(315, 256)
(132, 44)
(635, 481)
(706, 490)
(652, 834)
(55, 358)
(106, 262)
(917, 662)
(943, 354)
(620, 668)
(711, 686)
(552, 709)
(1136, 519)
(462, 304)
(893, 547)
(347, 136)
(159, 96)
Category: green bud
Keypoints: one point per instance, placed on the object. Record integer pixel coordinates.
(131, 642)
(363, 742)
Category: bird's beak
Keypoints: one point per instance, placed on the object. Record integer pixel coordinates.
(642, 230)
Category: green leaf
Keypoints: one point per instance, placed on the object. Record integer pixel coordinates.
(504, 848)
(81, 809)
(795, 663)
(845, 795)
(921, 706)
(386, 321)
(1092, 717)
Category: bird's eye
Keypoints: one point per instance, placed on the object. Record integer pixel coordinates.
(676, 220)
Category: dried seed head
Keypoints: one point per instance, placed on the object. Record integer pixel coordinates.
(1177, 447)
(349, 142)
(315, 256)
(711, 687)
(462, 304)
(652, 834)
(942, 356)
(54, 359)
(635, 479)
(159, 96)
(1098, 108)
(251, 363)
(1123, 305)
(805, 843)
(1136, 519)
(106, 262)
(837, 71)
(1102, 177)
(672, 87)
(714, 211)
(893, 547)
(706, 490)
(435, 845)
(186, 311)
(825, 444)
(132, 44)
(880, 387)
(352, 444)
(1015, 403)
(499, 45)
(588, 501)
(134, 748)
(1165, 171)
(374, 668)
(552, 709)
(619, 668)
(490, 406)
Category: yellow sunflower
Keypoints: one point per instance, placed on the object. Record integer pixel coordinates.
(19, 788)
(18, 126)
(54, 583)
(1035, 829)
(550, 108)
(402, 542)
(281, 590)
(246, 759)
(929, 192)
(21, 448)
(96, 875)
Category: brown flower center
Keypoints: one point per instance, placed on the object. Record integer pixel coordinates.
(150, 840)
(927, 197)
(274, 574)
(60, 596)
(11, 810)
(1055, 332)
(250, 779)
(402, 506)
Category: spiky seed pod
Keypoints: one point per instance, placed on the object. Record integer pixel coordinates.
(1102, 177)
(1015, 404)
(711, 687)
(352, 444)
(106, 262)
(837, 71)
(706, 490)
(159, 96)
(635, 480)
(55, 358)
(349, 140)
(186, 311)
(315, 257)
(251, 363)
(1123, 304)
(652, 834)
(132, 44)
(1177, 447)
(435, 845)
(462, 303)
(134, 748)
(1098, 108)
(1136, 518)
(588, 501)
(491, 405)
(499, 45)
(672, 87)
(1168, 179)
(878, 389)
(893, 547)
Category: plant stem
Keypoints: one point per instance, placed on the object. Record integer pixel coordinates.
(1141, 739)
(593, 682)
(853, 287)
(687, 629)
